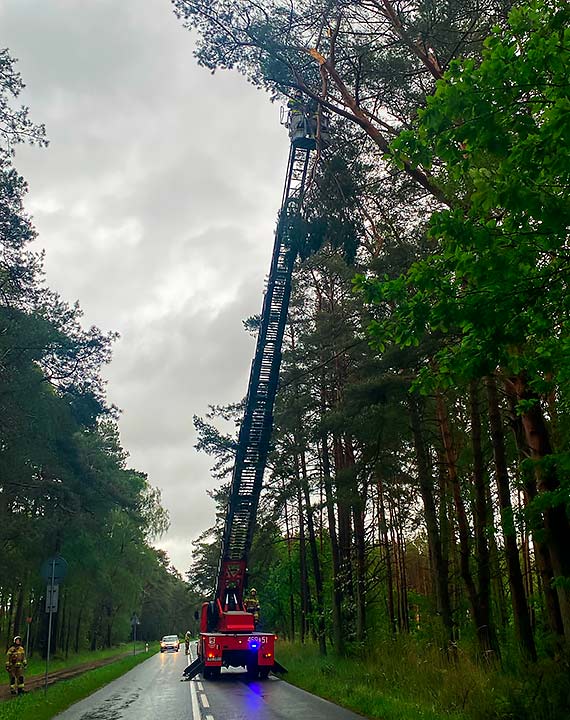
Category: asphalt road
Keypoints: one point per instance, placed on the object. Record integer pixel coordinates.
(153, 690)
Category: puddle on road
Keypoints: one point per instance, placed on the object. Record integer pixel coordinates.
(112, 707)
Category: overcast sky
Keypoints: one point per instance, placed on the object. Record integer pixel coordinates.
(156, 203)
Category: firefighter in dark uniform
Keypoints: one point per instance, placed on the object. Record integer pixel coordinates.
(15, 664)
(251, 605)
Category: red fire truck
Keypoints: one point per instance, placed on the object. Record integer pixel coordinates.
(228, 636)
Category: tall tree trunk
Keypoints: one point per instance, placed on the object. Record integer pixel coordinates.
(291, 591)
(480, 619)
(344, 496)
(19, 610)
(482, 515)
(556, 521)
(388, 554)
(518, 598)
(320, 629)
(303, 579)
(542, 554)
(403, 583)
(360, 541)
(439, 566)
(338, 634)
(78, 630)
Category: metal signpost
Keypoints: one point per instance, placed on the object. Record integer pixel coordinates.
(53, 572)
(134, 622)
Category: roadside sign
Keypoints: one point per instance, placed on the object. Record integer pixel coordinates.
(53, 570)
(52, 598)
(135, 621)
(54, 567)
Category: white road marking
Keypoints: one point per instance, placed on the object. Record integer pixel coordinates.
(200, 686)
(196, 714)
(209, 717)
(204, 700)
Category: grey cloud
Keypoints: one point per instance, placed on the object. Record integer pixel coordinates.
(156, 202)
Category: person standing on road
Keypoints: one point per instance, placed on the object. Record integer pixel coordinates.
(187, 639)
(15, 664)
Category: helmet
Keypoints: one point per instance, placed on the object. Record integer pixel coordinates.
(17, 637)
(253, 591)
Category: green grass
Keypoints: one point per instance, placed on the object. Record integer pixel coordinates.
(37, 666)
(37, 706)
(401, 680)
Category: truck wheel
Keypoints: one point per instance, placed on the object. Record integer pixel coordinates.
(264, 673)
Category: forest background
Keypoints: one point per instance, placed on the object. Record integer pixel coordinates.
(416, 511)
(65, 484)
(417, 495)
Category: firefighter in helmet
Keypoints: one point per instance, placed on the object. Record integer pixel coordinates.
(251, 605)
(296, 122)
(187, 638)
(15, 664)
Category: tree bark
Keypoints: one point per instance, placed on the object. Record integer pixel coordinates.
(521, 615)
(360, 541)
(479, 618)
(388, 555)
(303, 579)
(556, 521)
(482, 515)
(320, 629)
(337, 630)
(291, 593)
(439, 567)
(542, 556)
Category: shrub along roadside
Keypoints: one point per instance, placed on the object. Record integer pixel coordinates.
(60, 696)
(399, 680)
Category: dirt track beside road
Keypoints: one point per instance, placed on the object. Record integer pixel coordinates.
(35, 682)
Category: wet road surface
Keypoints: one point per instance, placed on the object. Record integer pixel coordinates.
(153, 689)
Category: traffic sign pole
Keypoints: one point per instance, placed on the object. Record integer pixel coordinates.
(50, 600)
(53, 571)
(134, 622)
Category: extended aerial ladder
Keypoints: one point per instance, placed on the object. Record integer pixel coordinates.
(228, 636)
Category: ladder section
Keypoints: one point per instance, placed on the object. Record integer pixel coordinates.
(257, 424)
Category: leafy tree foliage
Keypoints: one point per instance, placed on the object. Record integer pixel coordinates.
(65, 486)
(418, 475)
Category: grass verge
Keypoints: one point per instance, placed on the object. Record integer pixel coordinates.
(60, 696)
(400, 680)
(37, 666)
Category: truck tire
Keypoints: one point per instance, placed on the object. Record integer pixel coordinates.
(212, 673)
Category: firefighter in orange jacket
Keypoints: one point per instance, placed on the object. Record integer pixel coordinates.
(15, 664)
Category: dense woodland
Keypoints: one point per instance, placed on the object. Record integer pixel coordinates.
(418, 483)
(65, 484)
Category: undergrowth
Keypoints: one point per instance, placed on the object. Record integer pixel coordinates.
(403, 680)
